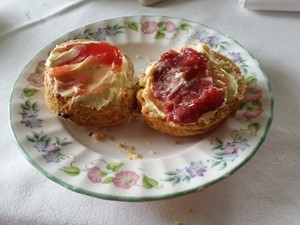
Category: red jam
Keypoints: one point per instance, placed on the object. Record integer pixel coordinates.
(102, 53)
(182, 82)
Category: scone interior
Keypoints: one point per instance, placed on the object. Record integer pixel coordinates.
(190, 90)
(90, 83)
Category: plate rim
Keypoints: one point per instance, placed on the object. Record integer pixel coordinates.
(106, 196)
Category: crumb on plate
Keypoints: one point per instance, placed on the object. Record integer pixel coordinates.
(100, 136)
(177, 142)
(132, 154)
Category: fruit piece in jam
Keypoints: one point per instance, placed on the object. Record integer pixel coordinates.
(182, 82)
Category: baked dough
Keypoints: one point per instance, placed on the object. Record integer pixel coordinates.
(152, 110)
(112, 101)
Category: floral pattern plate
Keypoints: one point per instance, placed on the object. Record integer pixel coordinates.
(133, 162)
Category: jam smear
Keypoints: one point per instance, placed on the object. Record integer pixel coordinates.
(181, 81)
(103, 53)
(100, 53)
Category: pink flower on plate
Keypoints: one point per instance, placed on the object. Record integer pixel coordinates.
(171, 27)
(94, 174)
(36, 79)
(125, 179)
(41, 64)
(252, 113)
(149, 27)
(252, 94)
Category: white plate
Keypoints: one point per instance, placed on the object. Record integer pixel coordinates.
(168, 166)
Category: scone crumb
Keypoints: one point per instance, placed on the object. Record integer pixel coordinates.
(121, 145)
(132, 154)
(131, 148)
(177, 142)
(100, 136)
(190, 210)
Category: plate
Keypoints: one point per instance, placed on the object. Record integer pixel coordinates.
(133, 162)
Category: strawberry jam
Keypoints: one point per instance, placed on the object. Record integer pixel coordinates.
(97, 53)
(181, 81)
(103, 53)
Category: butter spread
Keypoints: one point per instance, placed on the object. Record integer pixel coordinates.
(89, 76)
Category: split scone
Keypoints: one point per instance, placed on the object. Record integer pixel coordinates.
(190, 91)
(90, 83)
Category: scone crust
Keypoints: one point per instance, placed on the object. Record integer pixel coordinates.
(164, 126)
(115, 112)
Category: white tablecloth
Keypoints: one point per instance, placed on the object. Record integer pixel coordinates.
(264, 191)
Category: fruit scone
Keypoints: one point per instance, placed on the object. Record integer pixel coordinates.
(90, 83)
(190, 90)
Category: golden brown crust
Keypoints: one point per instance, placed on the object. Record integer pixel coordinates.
(162, 125)
(115, 112)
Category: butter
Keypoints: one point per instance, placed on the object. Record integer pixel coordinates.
(111, 85)
(57, 57)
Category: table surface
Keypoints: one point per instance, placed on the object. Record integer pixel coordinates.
(264, 191)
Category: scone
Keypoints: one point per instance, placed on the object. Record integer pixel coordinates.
(190, 91)
(90, 83)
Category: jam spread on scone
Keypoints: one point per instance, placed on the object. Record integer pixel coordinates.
(181, 80)
(76, 67)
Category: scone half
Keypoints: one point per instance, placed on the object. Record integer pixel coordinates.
(90, 83)
(168, 98)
